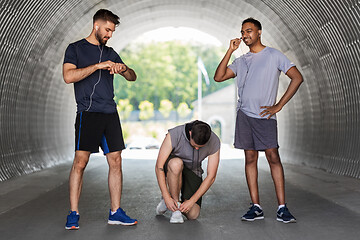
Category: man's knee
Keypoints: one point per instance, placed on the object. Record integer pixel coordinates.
(251, 157)
(193, 216)
(175, 166)
(81, 160)
(194, 213)
(114, 160)
(272, 155)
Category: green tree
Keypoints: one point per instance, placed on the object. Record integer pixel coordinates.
(167, 70)
(146, 110)
(165, 107)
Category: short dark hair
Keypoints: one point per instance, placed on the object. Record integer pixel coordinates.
(253, 21)
(106, 15)
(200, 132)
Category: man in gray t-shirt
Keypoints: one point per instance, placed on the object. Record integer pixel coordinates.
(178, 167)
(257, 74)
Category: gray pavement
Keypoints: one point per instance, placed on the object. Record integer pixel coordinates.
(35, 206)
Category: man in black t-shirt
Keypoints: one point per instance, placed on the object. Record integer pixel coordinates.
(91, 66)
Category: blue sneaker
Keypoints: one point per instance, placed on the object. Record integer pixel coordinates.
(120, 217)
(284, 215)
(72, 222)
(253, 213)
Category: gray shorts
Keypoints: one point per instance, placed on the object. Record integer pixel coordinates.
(255, 133)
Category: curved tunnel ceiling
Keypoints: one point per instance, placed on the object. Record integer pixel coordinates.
(319, 127)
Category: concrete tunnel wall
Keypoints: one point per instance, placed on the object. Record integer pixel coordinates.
(319, 127)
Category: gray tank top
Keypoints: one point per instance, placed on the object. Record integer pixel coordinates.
(191, 157)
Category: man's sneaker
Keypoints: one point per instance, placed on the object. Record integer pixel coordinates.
(253, 213)
(161, 208)
(284, 215)
(120, 217)
(176, 217)
(72, 222)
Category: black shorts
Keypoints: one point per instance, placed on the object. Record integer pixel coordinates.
(94, 130)
(190, 183)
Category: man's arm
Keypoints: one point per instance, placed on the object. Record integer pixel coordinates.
(222, 72)
(124, 71)
(296, 80)
(164, 153)
(212, 167)
(72, 74)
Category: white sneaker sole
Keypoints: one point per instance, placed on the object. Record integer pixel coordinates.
(121, 223)
(251, 220)
(291, 221)
(72, 228)
(177, 220)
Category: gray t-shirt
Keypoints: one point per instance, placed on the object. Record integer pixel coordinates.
(191, 157)
(258, 79)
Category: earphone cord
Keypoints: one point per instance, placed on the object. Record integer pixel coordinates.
(101, 51)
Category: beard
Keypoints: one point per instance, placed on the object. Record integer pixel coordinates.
(100, 38)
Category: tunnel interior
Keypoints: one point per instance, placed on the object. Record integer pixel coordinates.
(319, 127)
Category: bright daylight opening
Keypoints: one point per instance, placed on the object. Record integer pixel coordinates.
(167, 63)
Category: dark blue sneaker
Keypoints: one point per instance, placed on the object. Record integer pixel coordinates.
(120, 217)
(72, 222)
(253, 213)
(284, 215)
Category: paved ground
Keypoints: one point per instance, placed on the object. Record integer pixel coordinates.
(35, 206)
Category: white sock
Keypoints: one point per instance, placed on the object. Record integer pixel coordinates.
(281, 206)
(257, 205)
(112, 213)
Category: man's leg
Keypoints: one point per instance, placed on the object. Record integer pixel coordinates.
(174, 177)
(76, 178)
(193, 213)
(251, 171)
(277, 173)
(115, 179)
(116, 215)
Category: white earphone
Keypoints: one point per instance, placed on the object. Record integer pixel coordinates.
(97, 27)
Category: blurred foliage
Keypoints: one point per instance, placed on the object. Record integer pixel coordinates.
(146, 110)
(167, 70)
(124, 108)
(183, 110)
(165, 107)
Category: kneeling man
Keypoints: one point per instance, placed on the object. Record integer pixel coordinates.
(178, 168)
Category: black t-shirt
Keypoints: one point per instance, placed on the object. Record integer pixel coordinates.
(94, 93)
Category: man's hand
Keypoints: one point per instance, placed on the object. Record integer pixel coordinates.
(112, 67)
(270, 110)
(234, 44)
(107, 65)
(118, 68)
(171, 204)
(186, 206)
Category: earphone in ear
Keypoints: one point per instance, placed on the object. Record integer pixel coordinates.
(97, 27)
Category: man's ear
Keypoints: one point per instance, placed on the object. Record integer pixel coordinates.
(259, 31)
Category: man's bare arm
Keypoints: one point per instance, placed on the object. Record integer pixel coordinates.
(212, 167)
(72, 74)
(222, 72)
(164, 153)
(296, 80)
